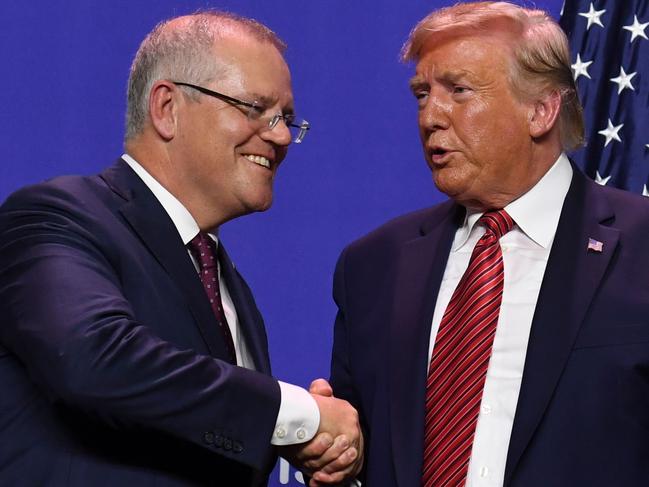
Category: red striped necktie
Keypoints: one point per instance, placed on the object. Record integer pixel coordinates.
(203, 248)
(458, 366)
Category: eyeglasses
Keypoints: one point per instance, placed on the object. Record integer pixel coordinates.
(255, 112)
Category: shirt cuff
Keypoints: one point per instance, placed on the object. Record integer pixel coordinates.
(298, 418)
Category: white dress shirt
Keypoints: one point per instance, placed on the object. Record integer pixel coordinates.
(299, 417)
(525, 249)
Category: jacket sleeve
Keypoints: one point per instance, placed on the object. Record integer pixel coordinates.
(341, 378)
(67, 321)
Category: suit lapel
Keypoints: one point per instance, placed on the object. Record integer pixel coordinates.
(158, 234)
(572, 277)
(250, 322)
(419, 273)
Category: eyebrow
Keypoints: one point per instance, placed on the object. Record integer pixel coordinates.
(264, 99)
(454, 76)
(451, 76)
(268, 101)
(417, 82)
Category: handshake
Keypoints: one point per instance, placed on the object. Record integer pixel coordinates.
(335, 454)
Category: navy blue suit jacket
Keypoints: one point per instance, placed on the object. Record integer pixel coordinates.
(582, 417)
(110, 356)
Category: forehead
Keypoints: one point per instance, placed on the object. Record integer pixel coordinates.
(487, 54)
(252, 67)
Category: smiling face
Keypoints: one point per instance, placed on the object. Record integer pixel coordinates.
(474, 129)
(224, 164)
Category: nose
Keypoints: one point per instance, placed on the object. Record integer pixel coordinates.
(434, 114)
(278, 135)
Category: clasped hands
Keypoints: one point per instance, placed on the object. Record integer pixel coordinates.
(335, 454)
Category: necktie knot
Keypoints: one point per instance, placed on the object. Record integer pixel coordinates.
(497, 222)
(203, 248)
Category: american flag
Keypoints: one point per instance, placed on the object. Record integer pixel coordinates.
(595, 245)
(609, 42)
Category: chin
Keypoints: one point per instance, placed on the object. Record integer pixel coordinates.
(446, 187)
(260, 205)
(453, 184)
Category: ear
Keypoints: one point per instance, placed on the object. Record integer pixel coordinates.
(162, 108)
(544, 114)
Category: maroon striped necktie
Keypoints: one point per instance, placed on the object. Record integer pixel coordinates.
(203, 248)
(458, 366)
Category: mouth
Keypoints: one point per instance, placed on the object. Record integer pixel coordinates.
(259, 160)
(437, 154)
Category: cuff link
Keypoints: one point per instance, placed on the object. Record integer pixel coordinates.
(280, 432)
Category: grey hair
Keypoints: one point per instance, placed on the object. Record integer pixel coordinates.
(541, 55)
(181, 49)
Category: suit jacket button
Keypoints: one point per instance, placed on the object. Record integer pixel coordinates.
(208, 437)
(227, 444)
(218, 441)
(237, 447)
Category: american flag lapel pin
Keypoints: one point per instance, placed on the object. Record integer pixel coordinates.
(595, 245)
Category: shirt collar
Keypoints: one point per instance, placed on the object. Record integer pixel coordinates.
(537, 212)
(180, 216)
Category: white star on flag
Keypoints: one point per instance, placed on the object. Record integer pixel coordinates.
(580, 68)
(617, 51)
(610, 132)
(593, 16)
(600, 180)
(623, 81)
(636, 28)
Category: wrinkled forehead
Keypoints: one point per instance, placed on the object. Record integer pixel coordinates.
(237, 47)
(253, 67)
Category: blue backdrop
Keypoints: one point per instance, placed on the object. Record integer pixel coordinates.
(65, 66)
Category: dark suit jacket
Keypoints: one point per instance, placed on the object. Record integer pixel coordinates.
(582, 417)
(110, 356)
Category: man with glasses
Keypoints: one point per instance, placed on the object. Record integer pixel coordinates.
(132, 350)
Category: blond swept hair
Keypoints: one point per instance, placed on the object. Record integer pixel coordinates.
(540, 52)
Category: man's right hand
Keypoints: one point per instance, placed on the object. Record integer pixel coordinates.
(335, 454)
(344, 459)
